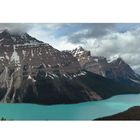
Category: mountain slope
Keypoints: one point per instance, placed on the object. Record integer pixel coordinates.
(132, 113)
(117, 69)
(67, 88)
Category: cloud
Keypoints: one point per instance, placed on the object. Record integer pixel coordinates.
(45, 32)
(15, 27)
(90, 30)
(28, 27)
(125, 45)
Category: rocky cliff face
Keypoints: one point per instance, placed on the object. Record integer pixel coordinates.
(117, 69)
(34, 72)
(22, 57)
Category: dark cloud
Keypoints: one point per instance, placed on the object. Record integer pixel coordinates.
(90, 30)
(125, 45)
(15, 27)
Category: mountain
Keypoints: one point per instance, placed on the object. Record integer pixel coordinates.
(9, 38)
(132, 113)
(117, 69)
(32, 71)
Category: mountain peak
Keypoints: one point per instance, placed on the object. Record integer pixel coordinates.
(10, 38)
(80, 51)
(118, 61)
(80, 48)
(6, 31)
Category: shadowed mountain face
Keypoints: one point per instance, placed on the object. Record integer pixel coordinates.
(132, 113)
(116, 69)
(34, 72)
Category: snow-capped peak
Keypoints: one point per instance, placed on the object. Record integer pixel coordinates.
(112, 58)
(79, 51)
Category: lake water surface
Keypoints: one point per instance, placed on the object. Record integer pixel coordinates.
(81, 111)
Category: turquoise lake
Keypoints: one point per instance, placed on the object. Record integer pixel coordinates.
(82, 111)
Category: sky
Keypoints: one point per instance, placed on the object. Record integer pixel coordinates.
(102, 39)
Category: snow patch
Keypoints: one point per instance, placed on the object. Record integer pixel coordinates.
(103, 74)
(44, 65)
(32, 54)
(96, 60)
(15, 56)
(112, 58)
(136, 81)
(65, 75)
(46, 74)
(49, 66)
(33, 80)
(24, 53)
(51, 76)
(82, 73)
(54, 75)
(6, 56)
(1, 57)
(29, 77)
